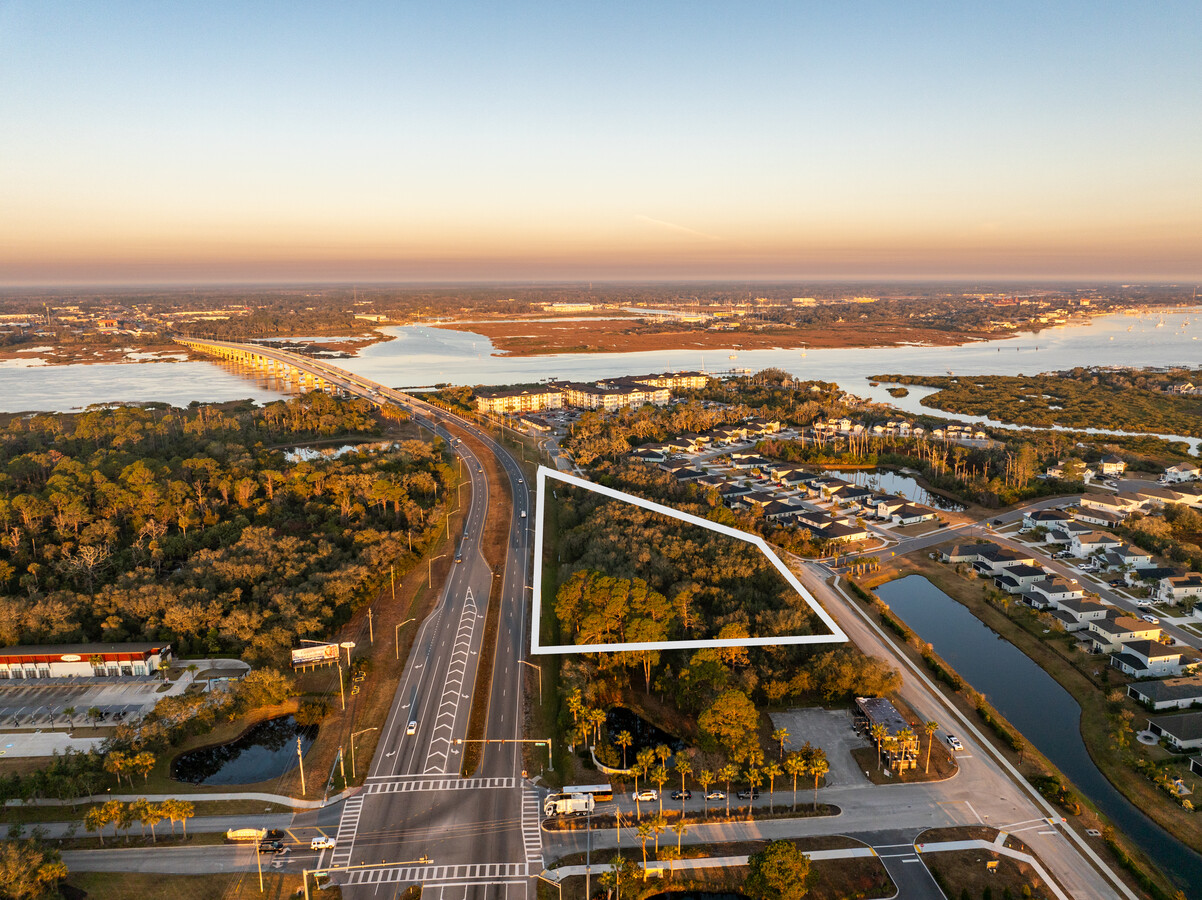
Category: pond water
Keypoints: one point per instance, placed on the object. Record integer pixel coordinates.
(646, 735)
(1038, 706)
(891, 482)
(266, 751)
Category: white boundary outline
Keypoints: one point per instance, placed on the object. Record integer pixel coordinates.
(835, 637)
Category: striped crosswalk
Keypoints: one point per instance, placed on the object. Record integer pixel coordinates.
(437, 785)
(432, 876)
(347, 826)
(532, 833)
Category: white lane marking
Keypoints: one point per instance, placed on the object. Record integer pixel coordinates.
(444, 724)
(348, 825)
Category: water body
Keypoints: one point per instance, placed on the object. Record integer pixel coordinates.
(266, 751)
(420, 356)
(890, 482)
(1039, 707)
(646, 736)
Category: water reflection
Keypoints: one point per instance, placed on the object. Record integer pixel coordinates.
(266, 751)
(1038, 706)
(890, 482)
(644, 734)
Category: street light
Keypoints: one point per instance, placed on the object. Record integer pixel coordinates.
(353, 736)
(539, 669)
(431, 562)
(396, 632)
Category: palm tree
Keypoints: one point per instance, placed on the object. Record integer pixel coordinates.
(680, 828)
(624, 740)
(658, 824)
(685, 768)
(728, 774)
(94, 714)
(137, 811)
(930, 728)
(94, 820)
(781, 735)
(818, 767)
(185, 810)
(644, 833)
(642, 765)
(879, 733)
(771, 770)
(663, 753)
(70, 712)
(754, 778)
(705, 779)
(904, 737)
(795, 765)
(660, 777)
(143, 763)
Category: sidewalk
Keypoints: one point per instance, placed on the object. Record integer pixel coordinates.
(281, 799)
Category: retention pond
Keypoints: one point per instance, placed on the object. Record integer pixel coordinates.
(1039, 707)
(266, 751)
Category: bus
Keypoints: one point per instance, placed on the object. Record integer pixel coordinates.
(598, 792)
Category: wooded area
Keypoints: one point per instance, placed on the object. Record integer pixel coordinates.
(189, 526)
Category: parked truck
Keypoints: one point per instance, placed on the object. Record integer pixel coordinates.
(569, 805)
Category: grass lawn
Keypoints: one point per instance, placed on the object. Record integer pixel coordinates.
(35, 814)
(957, 871)
(139, 886)
(834, 879)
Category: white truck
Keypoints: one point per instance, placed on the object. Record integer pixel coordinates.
(569, 805)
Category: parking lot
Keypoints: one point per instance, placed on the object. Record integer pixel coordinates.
(830, 729)
(40, 703)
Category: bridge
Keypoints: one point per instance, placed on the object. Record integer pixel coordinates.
(481, 835)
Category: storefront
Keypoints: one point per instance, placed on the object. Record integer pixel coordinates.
(83, 660)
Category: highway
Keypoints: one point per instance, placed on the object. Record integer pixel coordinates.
(480, 836)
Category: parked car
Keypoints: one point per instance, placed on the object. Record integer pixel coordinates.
(954, 742)
(321, 843)
(1151, 619)
(748, 794)
(1118, 583)
(647, 795)
(682, 795)
(716, 795)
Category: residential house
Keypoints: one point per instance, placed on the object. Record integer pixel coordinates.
(1183, 731)
(1111, 465)
(1093, 541)
(1077, 613)
(912, 514)
(1100, 517)
(1176, 588)
(1147, 659)
(1171, 693)
(1109, 634)
(1185, 471)
(992, 559)
(1121, 503)
(886, 506)
(1045, 518)
(1018, 579)
(1052, 590)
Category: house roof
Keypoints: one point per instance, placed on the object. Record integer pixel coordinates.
(1152, 650)
(1183, 726)
(1170, 689)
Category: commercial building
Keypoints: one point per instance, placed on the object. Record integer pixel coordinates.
(900, 745)
(82, 660)
(518, 401)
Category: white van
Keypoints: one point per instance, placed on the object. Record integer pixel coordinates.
(321, 843)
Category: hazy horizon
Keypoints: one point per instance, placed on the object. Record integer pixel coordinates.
(263, 143)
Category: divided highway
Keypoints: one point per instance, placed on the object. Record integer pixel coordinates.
(416, 820)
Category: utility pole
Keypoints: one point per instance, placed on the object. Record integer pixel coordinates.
(259, 866)
(371, 633)
(301, 759)
(341, 690)
(392, 570)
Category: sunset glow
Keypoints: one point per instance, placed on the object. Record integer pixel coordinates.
(145, 142)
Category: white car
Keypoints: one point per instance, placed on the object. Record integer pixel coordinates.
(954, 742)
(412, 729)
(1151, 619)
(321, 843)
(646, 795)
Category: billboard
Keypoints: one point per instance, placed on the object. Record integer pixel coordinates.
(316, 655)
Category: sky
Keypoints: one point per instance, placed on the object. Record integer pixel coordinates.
(396, 141)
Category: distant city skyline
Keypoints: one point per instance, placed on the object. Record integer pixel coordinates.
(378, 142)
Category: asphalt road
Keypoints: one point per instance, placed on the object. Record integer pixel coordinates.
(415, 820)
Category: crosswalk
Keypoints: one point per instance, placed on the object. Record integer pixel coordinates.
(436, 785)
(532, 833)
(433, 876)
(452, 694)
(347, 826)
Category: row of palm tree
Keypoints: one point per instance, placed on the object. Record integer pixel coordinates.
(122, 816)
(892, 742)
